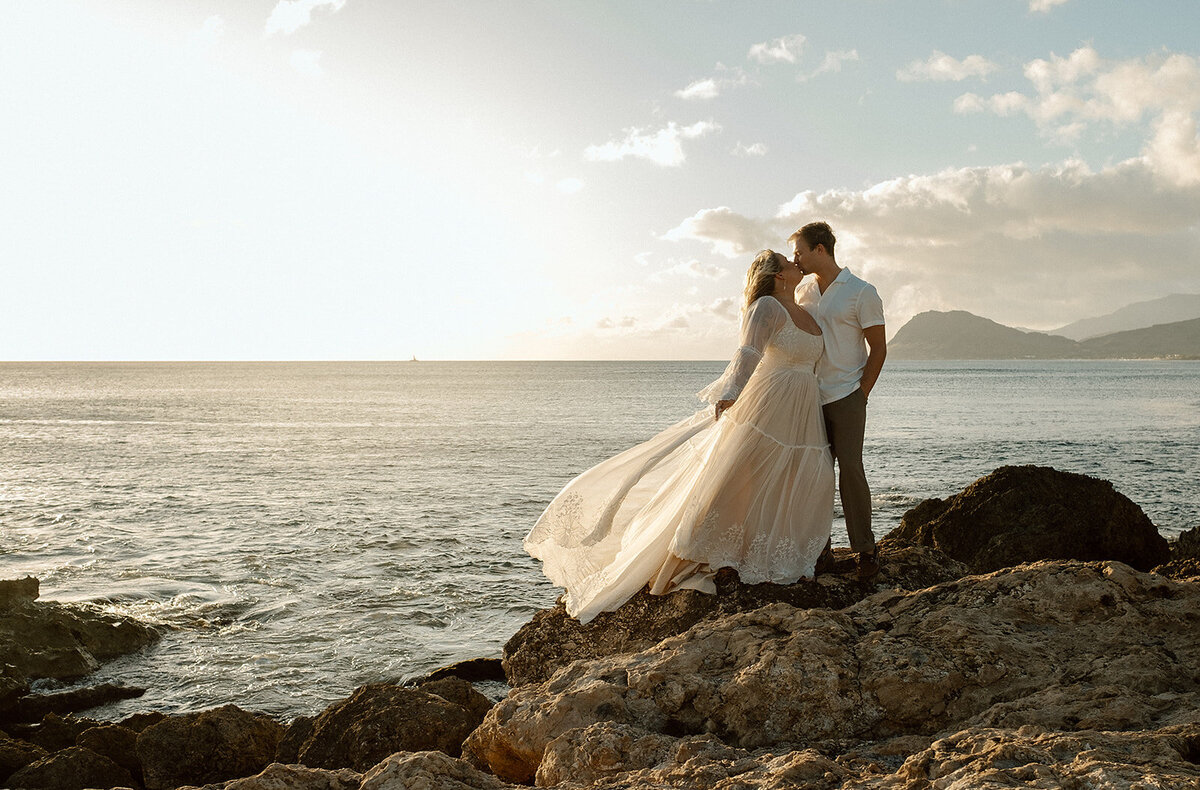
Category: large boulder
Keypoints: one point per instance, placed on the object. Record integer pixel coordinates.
(1026, 513)
(115, 742)
(208, 746)
(75, 768)
(381, 718)
(992, 649)
(553, 639)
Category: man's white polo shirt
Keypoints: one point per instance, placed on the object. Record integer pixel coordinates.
(848, 306)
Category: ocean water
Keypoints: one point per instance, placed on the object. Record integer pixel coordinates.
(303, 528)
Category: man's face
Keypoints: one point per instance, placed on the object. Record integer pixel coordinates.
(801, 252)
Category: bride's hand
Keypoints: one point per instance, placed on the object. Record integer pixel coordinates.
(722, 405)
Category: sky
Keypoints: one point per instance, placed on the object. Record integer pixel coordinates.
(375, 179)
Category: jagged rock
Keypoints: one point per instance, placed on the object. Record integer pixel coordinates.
(428, 770)
(16, 754)
(54, 732)
(896, 663)
(278, 776)
(209, 746)
(475, 670)
(140, 721)
(75, 768)
(115, 742)
(298, 731)
(1185, 556)
(381, 718)
(459, 692)
(1187, 545)
(1027, 513)
(33, 707)
(552, 639)
(13, 685)
(53, 640)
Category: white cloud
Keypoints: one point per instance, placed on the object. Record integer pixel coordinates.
(624, 322)
(700, 89)
(288, 16)
(940, 67)
(725, 307)
(999, 103)
(832, 62)
(729, 233)
(712, 87)
(786, 49)
(1072, 94)
(754, 149)
(663, 147)
(1042, 6)
(1025, 246)
(307, 62)
(569, 186)
(693, 269)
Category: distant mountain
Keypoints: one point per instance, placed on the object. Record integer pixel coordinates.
(961, 335)
(1176, 339)
(1168, 309)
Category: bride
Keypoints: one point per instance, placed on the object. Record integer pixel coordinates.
(751, 489)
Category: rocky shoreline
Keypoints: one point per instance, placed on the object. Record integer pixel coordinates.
(1034, 630)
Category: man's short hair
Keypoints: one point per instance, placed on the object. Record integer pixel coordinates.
(815, 233)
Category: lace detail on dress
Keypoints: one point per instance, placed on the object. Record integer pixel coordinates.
(717, 542)
(794, 347)
(567, 524)
(721, 543)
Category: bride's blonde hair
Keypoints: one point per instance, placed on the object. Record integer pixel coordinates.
(760, 278)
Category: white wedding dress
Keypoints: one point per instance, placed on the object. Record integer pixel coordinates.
(752, 491)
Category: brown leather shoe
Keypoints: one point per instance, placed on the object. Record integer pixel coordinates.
(868, 565)
(825, 563)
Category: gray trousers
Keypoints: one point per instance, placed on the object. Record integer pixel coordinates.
(845, 423)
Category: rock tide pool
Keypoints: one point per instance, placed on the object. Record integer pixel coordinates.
(1034, 630)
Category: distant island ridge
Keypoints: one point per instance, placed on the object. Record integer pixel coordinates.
(1167, 328)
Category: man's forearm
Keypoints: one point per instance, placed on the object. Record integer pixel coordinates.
(871, 370)
(876, 352)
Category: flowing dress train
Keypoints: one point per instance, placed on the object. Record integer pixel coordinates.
(751, 491)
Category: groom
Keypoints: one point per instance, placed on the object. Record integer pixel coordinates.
(850, 314)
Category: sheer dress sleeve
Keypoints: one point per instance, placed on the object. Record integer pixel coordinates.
(762, 320)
